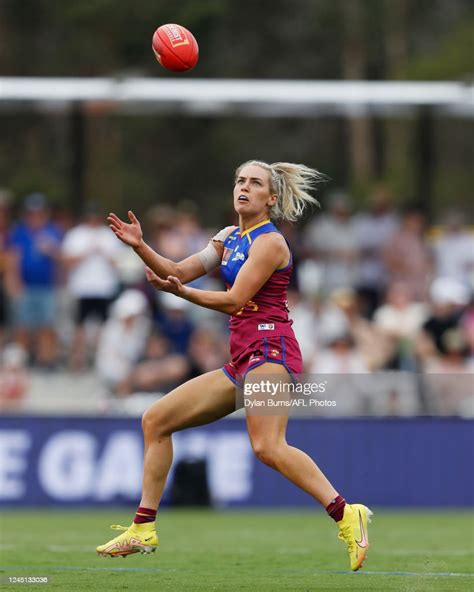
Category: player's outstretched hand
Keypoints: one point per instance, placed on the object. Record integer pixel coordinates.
(172, 284)
(130, 234)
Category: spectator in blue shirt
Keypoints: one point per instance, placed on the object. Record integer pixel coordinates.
(35, 242)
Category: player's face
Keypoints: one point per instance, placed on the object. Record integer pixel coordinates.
(252, 191)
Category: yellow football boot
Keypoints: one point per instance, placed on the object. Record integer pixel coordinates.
(137, 538)
(353, 531)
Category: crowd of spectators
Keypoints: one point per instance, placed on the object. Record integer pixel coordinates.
(372, 290)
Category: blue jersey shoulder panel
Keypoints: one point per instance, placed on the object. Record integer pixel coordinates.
(236, 249)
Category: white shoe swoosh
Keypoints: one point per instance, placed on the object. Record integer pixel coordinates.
(363, 543)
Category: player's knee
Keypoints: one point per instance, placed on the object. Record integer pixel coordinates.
(155, 422)
(265, 452)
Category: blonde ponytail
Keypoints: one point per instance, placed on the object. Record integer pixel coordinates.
(292, 184)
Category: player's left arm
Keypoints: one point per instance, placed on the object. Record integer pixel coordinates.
(268, 253)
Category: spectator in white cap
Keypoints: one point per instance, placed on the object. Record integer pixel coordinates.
(90, 253)
(123, 338)
(449, 297)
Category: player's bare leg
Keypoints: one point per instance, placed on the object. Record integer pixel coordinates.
(199, 401)
(202, 400)
(267, 436)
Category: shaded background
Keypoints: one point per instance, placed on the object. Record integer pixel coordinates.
(140, 159)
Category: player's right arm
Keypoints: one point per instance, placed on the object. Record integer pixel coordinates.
(186, 270)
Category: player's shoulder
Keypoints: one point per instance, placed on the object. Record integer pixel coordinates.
(271, 237)
(272, 241)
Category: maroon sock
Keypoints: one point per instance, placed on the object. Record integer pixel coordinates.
(144, 515)
(335, 508)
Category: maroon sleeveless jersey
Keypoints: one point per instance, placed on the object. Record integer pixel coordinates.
(261, 330)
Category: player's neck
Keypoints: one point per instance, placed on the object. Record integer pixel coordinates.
(246, 223)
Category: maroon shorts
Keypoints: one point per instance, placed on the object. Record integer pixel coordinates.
(282, 350)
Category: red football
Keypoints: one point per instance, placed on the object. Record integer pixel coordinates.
(175, 48)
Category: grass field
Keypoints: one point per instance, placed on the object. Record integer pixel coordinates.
(254, 551)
